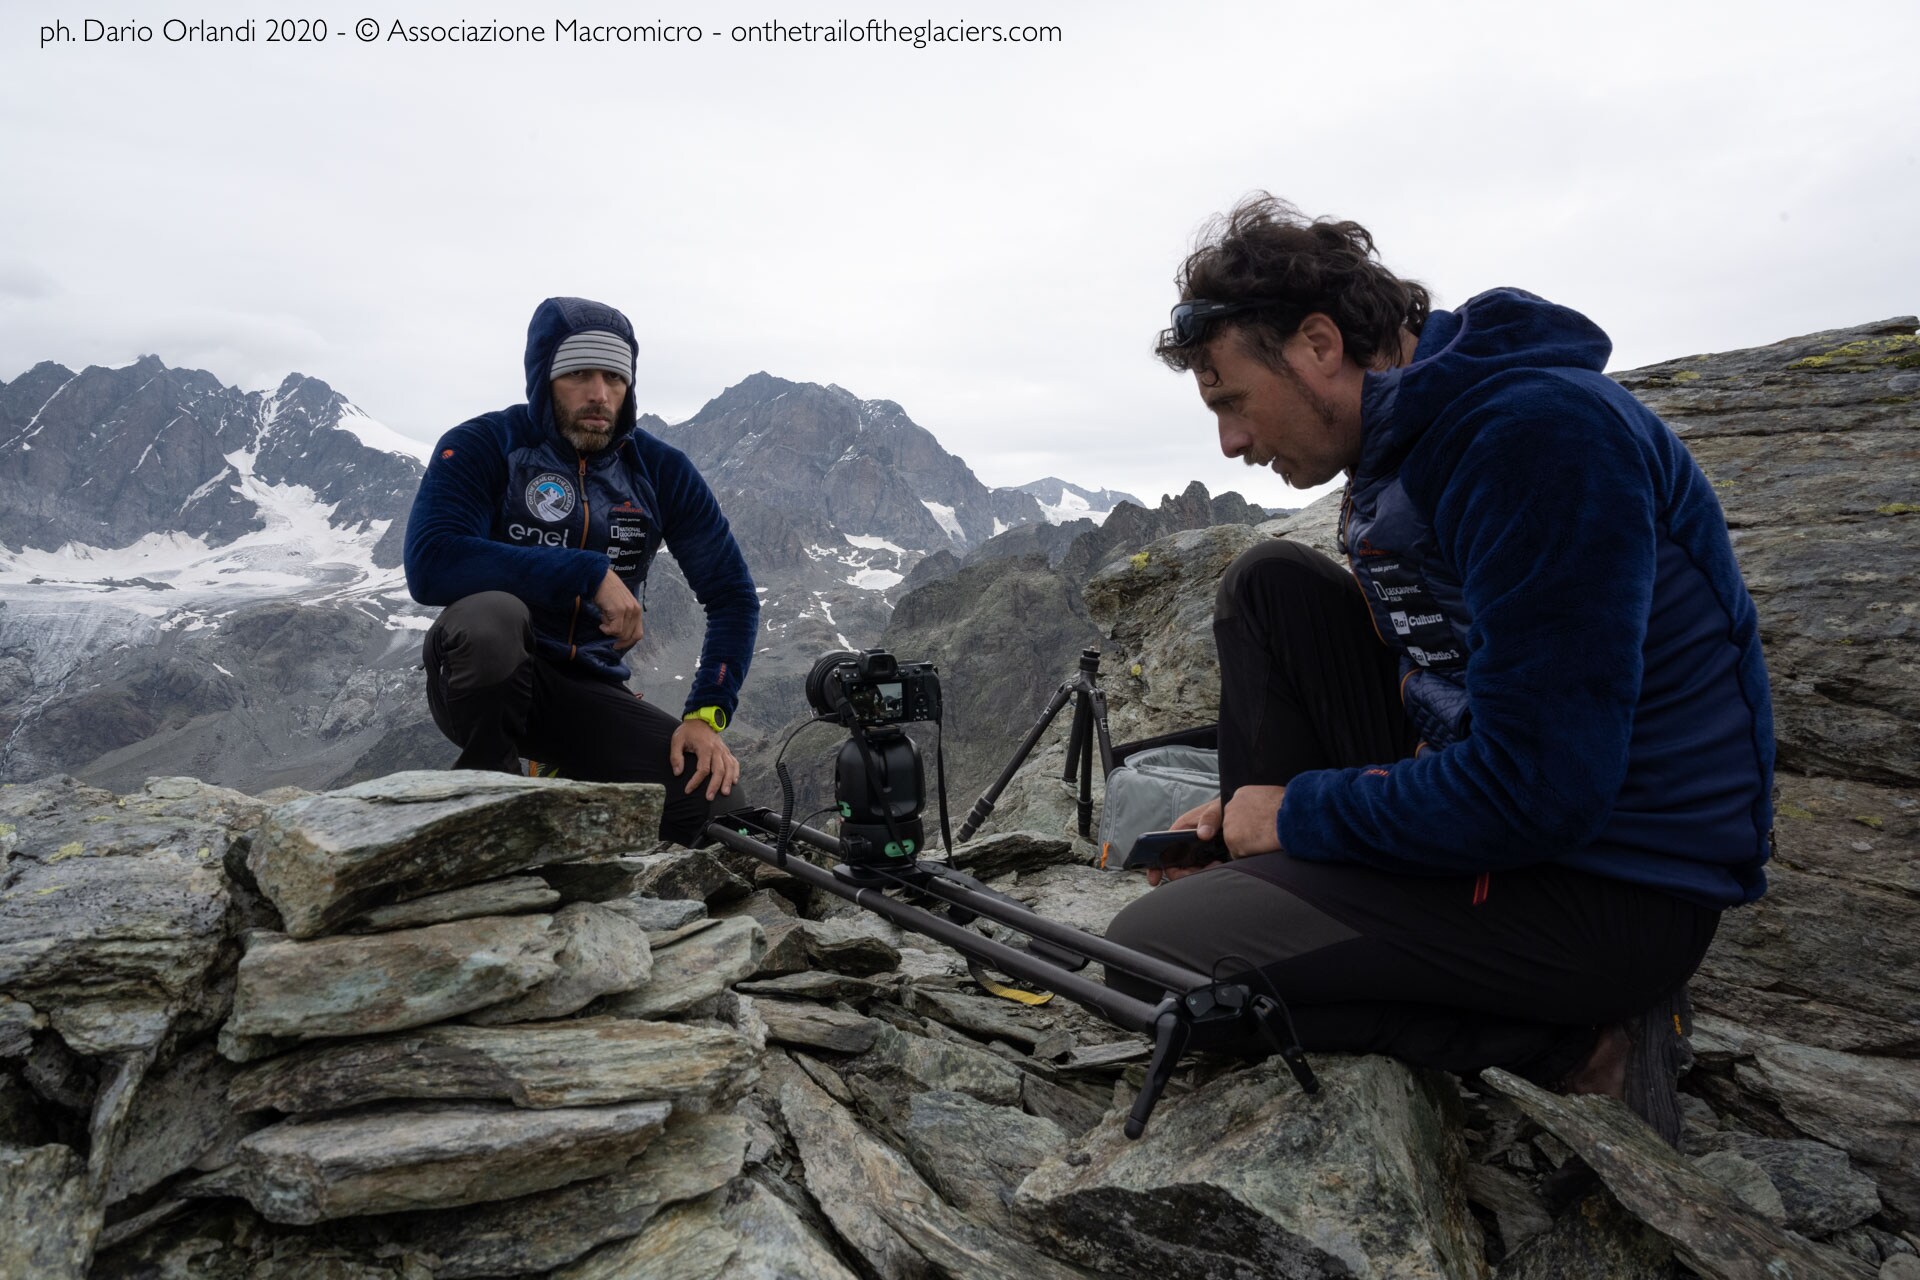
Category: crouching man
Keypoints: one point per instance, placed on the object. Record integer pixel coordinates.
(535, 527)
(1487, 787)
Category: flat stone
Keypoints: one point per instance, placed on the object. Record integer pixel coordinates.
(992, 855)
(531, 1234)
(1247, 1175)
(583, 1062)
(367, 984)
(330, 857)
(813, 1026)
(881, 1206)
(814, 984)
(508, 896)
(689, 873)
(740, 1232)
(393, 1160)
(693, 969)
(976, 1155)
(853, 945)
(1819, 1189)
(602, 952)
(1713, 1231)
(48, 1220)
(658, 915)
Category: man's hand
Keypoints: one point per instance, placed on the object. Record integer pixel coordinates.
(620, 615)
(1204, 822)
(1249, 825)
(711, 759)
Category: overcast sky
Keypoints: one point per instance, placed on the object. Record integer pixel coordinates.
(985, 233)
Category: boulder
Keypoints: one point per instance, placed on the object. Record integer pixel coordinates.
(1819, 1190)
(987, 856)
(330, 857)
(1868, 1107)
(180, 1119)
(1715, 1232)
(1248, 1175)
(856, 944)
(811, 1026)
(976, 1155)
(689, 873)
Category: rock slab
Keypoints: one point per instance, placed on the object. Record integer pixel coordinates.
(327, 858)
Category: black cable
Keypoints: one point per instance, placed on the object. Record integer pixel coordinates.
(784, 842)
(1294, 1053)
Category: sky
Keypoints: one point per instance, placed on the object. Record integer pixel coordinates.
(984, 232)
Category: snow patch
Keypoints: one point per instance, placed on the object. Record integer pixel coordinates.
(943, 516)
(377, 435)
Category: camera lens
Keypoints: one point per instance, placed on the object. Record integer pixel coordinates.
(823, 682)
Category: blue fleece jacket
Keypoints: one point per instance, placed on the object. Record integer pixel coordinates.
(1606, 699)
(507, 504)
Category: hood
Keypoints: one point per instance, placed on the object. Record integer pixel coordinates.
(1497, 332)
(554, 321)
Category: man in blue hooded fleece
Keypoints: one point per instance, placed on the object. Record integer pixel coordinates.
(535, 527)
(1487, 788)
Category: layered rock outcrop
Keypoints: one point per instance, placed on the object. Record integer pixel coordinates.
(450, 1025)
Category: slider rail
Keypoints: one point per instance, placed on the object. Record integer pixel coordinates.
(1120, 1009)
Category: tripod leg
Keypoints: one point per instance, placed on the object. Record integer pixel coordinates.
(1078, 736)
(1083, 746)
(1170, 1034)
(984, 806)
(1099, 697)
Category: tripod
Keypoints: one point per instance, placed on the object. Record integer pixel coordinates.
(1089, 719)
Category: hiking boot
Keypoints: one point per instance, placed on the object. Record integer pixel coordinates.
(1659, 1053)
(1639, 1062)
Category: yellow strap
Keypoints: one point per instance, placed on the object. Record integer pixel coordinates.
(1005, 992)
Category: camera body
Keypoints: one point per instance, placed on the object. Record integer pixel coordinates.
(880, 689)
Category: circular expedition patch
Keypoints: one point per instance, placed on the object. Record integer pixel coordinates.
(550, 496)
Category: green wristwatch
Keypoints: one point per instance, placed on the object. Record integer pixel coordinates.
(715, 718)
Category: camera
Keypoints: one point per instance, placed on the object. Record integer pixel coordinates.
(873, 687)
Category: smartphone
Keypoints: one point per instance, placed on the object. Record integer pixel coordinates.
(1174, 849)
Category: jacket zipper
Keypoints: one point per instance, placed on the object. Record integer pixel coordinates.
(586, 510)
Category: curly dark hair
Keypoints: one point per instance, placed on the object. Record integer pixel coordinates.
(1267, 248)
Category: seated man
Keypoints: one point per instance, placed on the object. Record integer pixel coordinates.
(1487, 788)
(535, 526)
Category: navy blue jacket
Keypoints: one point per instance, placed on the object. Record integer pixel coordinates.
(507, 504)
(1578, 648)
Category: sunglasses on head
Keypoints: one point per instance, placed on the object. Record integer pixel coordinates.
(1190, 320)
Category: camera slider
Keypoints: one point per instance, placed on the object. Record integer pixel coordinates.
(1195, 1013)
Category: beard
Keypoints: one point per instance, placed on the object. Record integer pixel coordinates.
(583, 431)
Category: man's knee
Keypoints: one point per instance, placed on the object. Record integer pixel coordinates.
(1269, 568)
(482, 639)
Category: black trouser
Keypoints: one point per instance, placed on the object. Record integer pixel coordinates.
(1516, 969)
(498, 700)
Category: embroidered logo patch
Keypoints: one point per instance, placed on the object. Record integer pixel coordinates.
(550, 496)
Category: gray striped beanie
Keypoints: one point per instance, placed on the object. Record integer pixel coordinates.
(593, 349)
